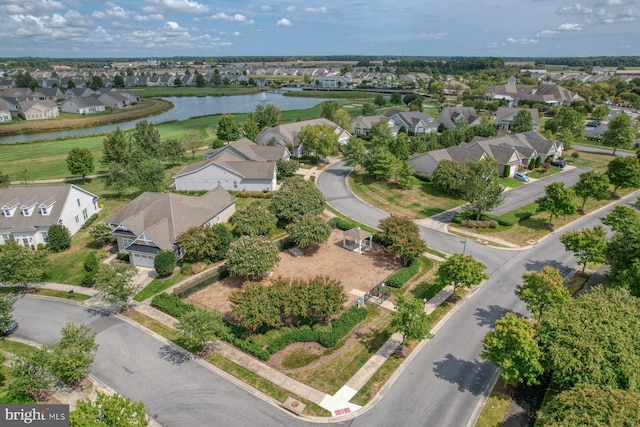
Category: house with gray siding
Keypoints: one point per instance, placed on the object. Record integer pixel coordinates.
(152, 222)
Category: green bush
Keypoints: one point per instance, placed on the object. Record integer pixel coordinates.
(164, 262)
(122, 257)
(254, 194)
(88, 280)
(575, 154)
(342, 224)
(507, 171)
(402, 276)
(301, 334)
(89, 221)
(195, 285)
(59, 238)
(91, 262)
(171, 304)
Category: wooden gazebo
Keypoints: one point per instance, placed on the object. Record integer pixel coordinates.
(357, 240)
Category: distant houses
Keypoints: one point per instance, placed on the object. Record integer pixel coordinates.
(548, 94)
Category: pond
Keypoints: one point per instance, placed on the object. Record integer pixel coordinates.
(185, 108)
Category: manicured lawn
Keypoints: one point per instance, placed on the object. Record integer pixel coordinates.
(551, 171)
(334, 374)
(377, 381)
(158, 285)
(76, 296)
(339, 94)
(15, 347)
(510, 182)
(495, 408)
(193, 91)
(421, 201)
(299, 358)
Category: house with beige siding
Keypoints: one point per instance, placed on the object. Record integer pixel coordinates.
(38, 110)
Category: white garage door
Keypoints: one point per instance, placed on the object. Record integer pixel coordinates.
(142, 260)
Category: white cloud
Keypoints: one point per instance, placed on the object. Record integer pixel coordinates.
(182, 6)
(290, 8)
(112, 11)
(172, 25)
(512, 40)
(316, 9)
(521, 41)
(547, 33)
(236, 33)
(21, 7)
(576, 9)
(221, 16)
(629, 14)
(430, 36)
(152, 17)
(284, 22)
(570, 27)
(265, 8)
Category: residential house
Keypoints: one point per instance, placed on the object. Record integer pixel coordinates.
(16, 92)
(152, 222)
(362, 125)
(332, 82)
(287, 135)
(454, 87)
(242, 165)
(114, 100)
(27, 212)
(86, 105)
(550, 94)
(514, 150)
(506, 115)
(36, 110)
(452, 116)
(47, 93)
(415, 122)
(79, 92)
(5, 112)
(7, 83)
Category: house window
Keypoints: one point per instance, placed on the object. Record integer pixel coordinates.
(235, 184)
(78, 200)
(84, 214)
(6, 237)
(77, 219)
(6, 212)
(126, 242)
(44, 210)
(45, 238)
(25, 211)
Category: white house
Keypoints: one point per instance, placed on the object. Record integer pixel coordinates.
(86, 105)
(27, 212)
(240, 166)
(152, 222)
(415, 122)
(362, 124)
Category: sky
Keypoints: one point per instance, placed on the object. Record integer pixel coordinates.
(164, 28)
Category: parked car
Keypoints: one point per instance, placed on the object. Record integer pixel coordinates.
(558, 163)
(521, 177)
(10, 329)
(594, 123)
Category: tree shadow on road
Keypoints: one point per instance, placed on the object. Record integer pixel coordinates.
(174, 354)
(469, 376)
(536, 266)
(488, 316)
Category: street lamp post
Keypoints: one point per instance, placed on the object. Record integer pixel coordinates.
(464, 248)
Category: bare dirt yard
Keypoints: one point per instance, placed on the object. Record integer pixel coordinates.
(358, 273)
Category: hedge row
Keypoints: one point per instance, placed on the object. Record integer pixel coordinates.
(508, 219)
(402, 276)
(254, 194)
(89, 221)
(171, 304)
(339, 328)
(472, 223)
(174, 306)
(195, 285)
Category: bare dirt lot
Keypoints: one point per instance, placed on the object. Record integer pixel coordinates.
(359, 272)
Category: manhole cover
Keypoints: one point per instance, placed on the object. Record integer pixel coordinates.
(295, 404)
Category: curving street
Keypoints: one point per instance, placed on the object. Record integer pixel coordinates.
(442, 385)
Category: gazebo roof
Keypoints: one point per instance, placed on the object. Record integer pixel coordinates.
(357, 234)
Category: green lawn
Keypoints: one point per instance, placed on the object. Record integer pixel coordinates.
(193, 91)
(158, 285)
(495, 408)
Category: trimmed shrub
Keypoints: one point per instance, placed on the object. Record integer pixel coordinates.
(164, 262)
(88, 280)
(402, 276)
(546, 165)
(575, 154)
(91, 262)
(185, 269)
(171, 304)
(538, 161)
(254, 194)
(507, 171)
(59, 238)
(122, 257)
(89, 221)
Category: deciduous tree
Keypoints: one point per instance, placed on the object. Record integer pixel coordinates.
(620, 133)
(108, 410)
(541, 290)
(250, 127)
(21, 266)
(621, 217)
(402, 237)
(6, 308)
(513, 348)
(624, 172)
(342, 118)
(588, 244)
(558, 200)
(481, 188)
(115, 283)
(592, 184)
(319, 140)
(191, 141)
(448, 176)
(252, 257)
(410, 319)
(73, 355)
(355, 152)
(380, 163)
(101, 233)
(267, 115)
(406, 179)
(593, 339)
(522, 122)
(253, 220)
(204, 243)
(287, 169)
(308, 229)
(31, 376)
(80, 162)
(461, 271)
(146, 138)
(228, 129)
(295, 198)
(200, 328)
(116, 147)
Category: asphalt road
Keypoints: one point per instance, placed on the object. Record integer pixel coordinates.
(442, 385)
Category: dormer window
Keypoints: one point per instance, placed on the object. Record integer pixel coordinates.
(25, 211)
(6, 212)
(44, 210)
